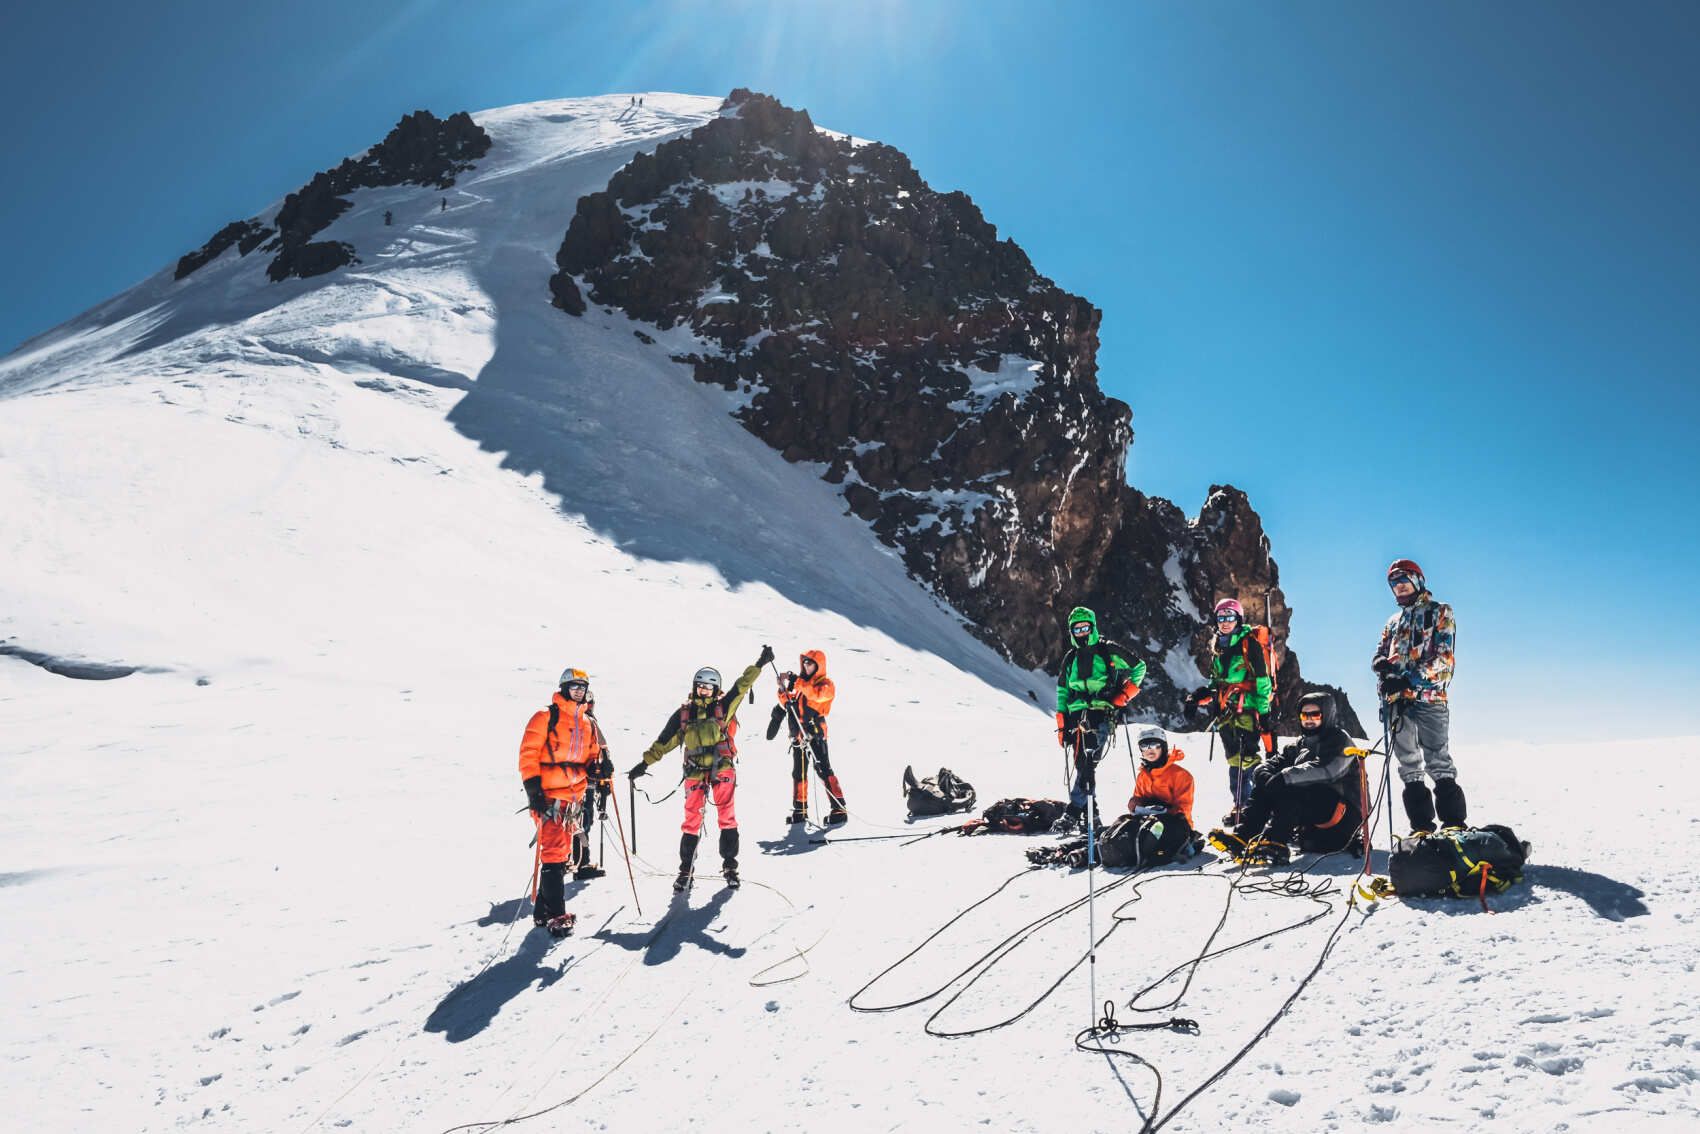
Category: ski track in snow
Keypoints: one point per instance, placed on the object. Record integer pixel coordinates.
(354, 527)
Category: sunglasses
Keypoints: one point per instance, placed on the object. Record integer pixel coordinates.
(1310, 714)
(1153, 744)
(579, 685)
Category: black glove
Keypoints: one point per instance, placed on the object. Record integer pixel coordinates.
(1383, 666)
(641, 769)
(1262, 774)
(1264, 723)
(1203, 695)
(605, 768)
(1395, 685)
(534, 797)
(766, 656)
(787, 680)
(773, 722)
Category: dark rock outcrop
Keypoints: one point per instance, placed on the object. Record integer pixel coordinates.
(422, 149)
(883, 330)
(246, 235)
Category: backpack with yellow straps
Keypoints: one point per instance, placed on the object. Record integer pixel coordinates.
(1458, 862)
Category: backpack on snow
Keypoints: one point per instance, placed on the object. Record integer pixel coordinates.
(1459, 864)
(937, 795)
(1021, 816)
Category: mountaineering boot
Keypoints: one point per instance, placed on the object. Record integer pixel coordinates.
(798, 816)
(587, 871)
(836, 816)
(1068, 822)
(1266, 852)
(687, 858)
(729, 856)
(560, 925)
(1226, 842)
(1419, 807)
(1449, 803)
(551, 893)
(1234, 817)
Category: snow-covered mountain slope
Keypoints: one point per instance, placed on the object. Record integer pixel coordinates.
(266, 881)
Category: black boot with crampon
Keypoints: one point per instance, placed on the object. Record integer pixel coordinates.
(729, 857)
(1419, 808)
(687, 860)
(550, 912)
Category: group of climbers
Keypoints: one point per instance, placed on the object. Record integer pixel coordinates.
(1312, 791)
(1315, 790)
(564, 753)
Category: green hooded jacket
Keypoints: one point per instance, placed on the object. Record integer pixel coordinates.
(1242, 666)
(1098, 675)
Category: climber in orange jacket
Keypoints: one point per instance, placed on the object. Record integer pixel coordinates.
(805, 699)
(1162, 799)
(561, 752)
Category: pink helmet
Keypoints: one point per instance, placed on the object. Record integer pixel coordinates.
(1233, 607)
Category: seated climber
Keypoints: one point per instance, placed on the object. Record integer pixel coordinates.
(1312, 789)
(1158, 826)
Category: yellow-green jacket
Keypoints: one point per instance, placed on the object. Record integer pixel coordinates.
(706, 728)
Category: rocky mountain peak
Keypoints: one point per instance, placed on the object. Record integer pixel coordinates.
(881, 329)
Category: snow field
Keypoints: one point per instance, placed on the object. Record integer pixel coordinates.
(355, 526)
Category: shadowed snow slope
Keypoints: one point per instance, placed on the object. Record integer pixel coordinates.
(348, 530)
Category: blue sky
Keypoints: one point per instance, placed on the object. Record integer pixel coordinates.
(1423, 279)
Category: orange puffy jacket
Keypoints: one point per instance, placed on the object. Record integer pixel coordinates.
(562, 756)
(811, 692)
(1167, 785)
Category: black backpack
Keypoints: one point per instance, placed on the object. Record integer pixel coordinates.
(937, 795)
(1023, 816)
(1459, 864)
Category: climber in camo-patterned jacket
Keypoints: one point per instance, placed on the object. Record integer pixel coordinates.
(1414, 661)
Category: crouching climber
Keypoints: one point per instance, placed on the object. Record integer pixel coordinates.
(1313, 790)
(1158, 825)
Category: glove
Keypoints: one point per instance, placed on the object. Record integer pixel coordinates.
(773, 722)
(605, 768)
(766, 656)
(1203, 695)
(641, 769)
(1262, 774)
(534, 797)
(1383, 666)
(1264, 723)
(787, 680)
(1395, 685)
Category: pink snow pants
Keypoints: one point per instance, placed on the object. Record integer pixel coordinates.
(696, 797)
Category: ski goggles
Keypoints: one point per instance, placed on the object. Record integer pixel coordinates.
(1080, 629)
(1228, 616)
(1153, 744)
(708, 685)
(1395, 580)
(569, 686)
(1310, 714)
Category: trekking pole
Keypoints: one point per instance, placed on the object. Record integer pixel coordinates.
(1090, 782)
(602, 827)
(621, 827)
